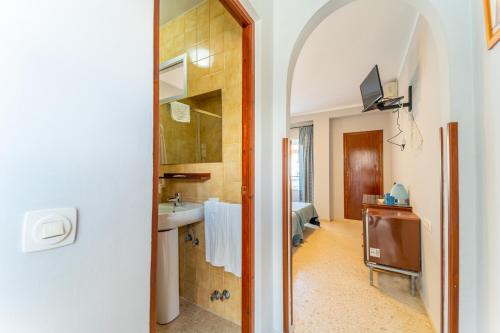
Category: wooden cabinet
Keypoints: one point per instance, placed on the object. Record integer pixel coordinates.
(371, 201)
(391, 239)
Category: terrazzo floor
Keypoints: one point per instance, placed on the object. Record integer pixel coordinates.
(332, 290)
(194, 319)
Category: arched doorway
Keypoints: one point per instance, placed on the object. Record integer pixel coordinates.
(431, 18)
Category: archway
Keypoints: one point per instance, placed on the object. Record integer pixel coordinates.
(428, 13)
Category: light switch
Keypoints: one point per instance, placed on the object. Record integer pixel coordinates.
(48, 229)
(53, 229)
(427, 224)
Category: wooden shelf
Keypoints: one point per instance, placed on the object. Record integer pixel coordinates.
(200, 177)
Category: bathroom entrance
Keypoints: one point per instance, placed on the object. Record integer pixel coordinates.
(202, 250)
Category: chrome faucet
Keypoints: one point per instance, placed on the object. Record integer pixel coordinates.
(176, 199)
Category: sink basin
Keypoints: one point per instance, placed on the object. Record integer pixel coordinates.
(171, 217)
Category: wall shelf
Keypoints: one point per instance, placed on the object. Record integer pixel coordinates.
(200, 177)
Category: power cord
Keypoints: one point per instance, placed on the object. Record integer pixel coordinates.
(401, 145)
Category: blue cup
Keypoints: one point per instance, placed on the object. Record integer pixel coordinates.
(389, 199)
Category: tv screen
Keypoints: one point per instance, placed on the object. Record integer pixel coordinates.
(371, 89)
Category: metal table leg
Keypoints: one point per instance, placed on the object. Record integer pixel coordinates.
(413, 285)
(371, 276)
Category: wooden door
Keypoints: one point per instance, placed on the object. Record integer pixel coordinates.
(363, 169)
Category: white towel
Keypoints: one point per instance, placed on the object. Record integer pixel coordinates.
(180, 112)
(163, 147)
(223, 235)
(233, 240)
(210, 224)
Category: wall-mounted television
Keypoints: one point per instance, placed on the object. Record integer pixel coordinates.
(371, 89)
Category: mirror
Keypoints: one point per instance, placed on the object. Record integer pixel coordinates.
(173, 79)
(191, 130)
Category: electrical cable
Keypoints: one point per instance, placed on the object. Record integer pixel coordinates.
(400, 131)
(417, 139)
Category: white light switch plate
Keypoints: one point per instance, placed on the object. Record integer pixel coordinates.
(49, 228)
(427, 225)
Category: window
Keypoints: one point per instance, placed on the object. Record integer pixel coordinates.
(295, 170)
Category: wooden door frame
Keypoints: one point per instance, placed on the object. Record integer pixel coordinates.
(441, 228)
(287, 264)
(381, 158)
(156, 165)
(453, 230)
(248, 164)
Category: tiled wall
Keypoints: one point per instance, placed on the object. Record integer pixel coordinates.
(213, 41)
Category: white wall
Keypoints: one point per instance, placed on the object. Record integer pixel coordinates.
(76, 131)
(268, 295)
(488, 102)
(367, 122)
(419, 167)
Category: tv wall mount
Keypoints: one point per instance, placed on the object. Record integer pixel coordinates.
(395, 103)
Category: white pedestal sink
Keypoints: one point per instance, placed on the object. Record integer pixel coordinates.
(170, 218)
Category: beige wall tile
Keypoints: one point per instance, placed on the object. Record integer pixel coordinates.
(232, 39)
(232, 173)
(190, 39)
(192, 55)
(216, 63)
(203, 30)
(191, 20)
(216, 8)
(217, 44)
(217, 25)
(232, 192)
(203, 50)
(190, 292)
(203, 11)
(204, 274)
(178, 26)
(203, 297)
(230, 22)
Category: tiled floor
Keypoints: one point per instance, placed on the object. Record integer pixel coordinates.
(332, 292)
(194, 319)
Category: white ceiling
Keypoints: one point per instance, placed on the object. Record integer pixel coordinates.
(343, 49)
(170, 9)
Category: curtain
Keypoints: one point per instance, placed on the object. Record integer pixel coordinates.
(306, 164)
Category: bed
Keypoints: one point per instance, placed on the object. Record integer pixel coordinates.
(303, 213)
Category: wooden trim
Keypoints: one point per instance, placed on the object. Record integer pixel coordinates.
(453, 231)
(156, 163)
(491, 38)
(285, 169)
(441, 228)
(290, 237)
(236, 9)
(381, 158)
(248, 156)
(248, 164)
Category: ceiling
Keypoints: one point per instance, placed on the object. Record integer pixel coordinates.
(170, 9)
(343, 49)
